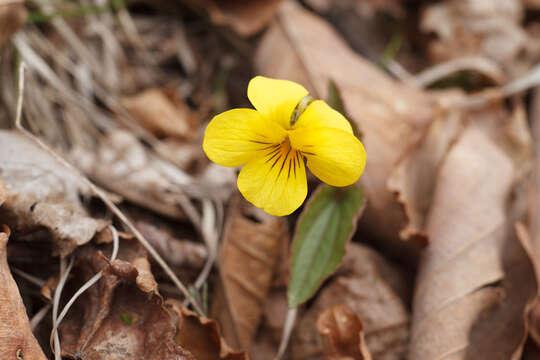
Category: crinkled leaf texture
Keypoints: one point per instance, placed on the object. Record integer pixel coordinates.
(325, 225)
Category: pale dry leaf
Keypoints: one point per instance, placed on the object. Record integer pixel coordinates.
(13, 15)
(475, 281)
(413, 178)
(120, 317)
(177, 252)
(375, 291)
(343, 334)
(246, 17)
(201, 335)
(123, 165)
(489, 28)
(250, 248)
(42, 193)
(393, 117)
(16, 338)
(155, 110)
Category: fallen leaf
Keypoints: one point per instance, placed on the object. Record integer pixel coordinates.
(343, 334)
(124, 166)
(16, 338)
(413, 178)
(121, 316)
(393, 117)
(3, 193)
(475, 281)
(12, 17)
(246, 17)
(534, 211)
(42, 193)
(488, 28)
(201, 336)
(250, 248)
(531, 4)
(177, 252)
(375, 291)
(366, 9)
(160, 113)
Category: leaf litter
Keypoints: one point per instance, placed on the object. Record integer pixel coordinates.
(442, 263)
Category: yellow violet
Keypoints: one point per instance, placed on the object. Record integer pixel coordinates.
(273, 141)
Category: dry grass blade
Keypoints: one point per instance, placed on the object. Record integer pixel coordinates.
(103, 196)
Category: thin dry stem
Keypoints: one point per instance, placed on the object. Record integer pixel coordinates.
(30, 278)
(102, 195)
(40, 315)
(55, 339)
(287, 331)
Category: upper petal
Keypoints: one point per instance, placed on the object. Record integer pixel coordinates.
(275, 182)
(320, 114)
(335, 156)
(275, 99)
(234, 137)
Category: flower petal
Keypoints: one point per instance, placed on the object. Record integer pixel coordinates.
(275, 99)
(234, 137)
(334, 156)
(320, 114)
(275, 182)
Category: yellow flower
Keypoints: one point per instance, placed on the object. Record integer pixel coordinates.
(273, 140)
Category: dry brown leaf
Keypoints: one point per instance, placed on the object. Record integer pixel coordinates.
(201, 336)
(246, 17)
(42, 193)
(161, 114)
(365, 9)
(475, 281)
(343, 334)
(12, 17)
(534, 210)
(250, 248)
(122, 316)
(3, 192)
(16, 338)
(374, 290)
(393, 117)
(532, 4)
(489, 28)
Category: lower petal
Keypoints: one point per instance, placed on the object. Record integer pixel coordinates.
(335, 156)
(275, 182)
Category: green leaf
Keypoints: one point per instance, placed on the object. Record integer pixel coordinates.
(327, 222)
(125, 318)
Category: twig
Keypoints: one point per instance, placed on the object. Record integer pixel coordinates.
(287, 331)
(36, 319)
(64, 273)
(94, 279)
(471, 63)
(527, 81)
(210, 236)
(102, 195)
(30, 278)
